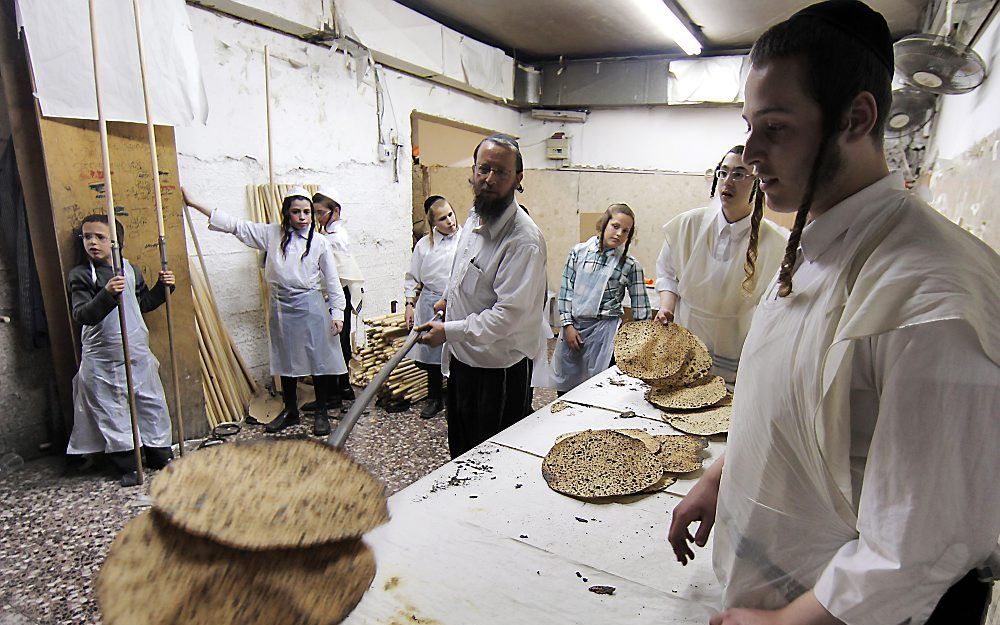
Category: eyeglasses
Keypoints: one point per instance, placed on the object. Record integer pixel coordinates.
(735, 176)
(485, 170)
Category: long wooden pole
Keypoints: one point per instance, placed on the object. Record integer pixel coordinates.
(211, 292)
(267, 109)
(116, 258)
(158, 203)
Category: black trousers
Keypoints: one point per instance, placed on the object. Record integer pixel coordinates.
(326, 388)
(435, 380)
(156, 458)
(344, 381)
(483, 402)
(965, 603)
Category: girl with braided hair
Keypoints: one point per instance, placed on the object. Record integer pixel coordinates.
(298, 267)
(716, 261)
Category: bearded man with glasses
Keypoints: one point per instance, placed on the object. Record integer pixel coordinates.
(492, 303)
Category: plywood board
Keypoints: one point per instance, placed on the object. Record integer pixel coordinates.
(22, 111)
(565, 203)
(588, 224)
(72, 157)
(560, 200)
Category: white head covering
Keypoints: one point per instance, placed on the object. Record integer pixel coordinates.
(297, 190)
(329, 192)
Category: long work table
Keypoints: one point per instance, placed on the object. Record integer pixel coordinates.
(483, 540)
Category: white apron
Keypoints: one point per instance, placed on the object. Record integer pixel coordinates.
(785, 503)
(302, 342)
(101, 420)
(423, 312)
(351, 279)
(712, 303)
(541, 371)
(570, 367)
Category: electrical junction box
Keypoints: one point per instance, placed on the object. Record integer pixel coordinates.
(557, 147)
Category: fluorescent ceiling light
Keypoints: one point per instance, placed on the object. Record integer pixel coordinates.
(660, 15)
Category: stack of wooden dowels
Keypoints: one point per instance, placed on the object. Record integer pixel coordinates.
(226, 379)
(385, 336)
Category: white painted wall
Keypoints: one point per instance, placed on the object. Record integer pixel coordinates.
(324, 127)
(684, 139)
(965, 119)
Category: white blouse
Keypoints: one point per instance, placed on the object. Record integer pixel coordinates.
(317, 271)
(431, 265)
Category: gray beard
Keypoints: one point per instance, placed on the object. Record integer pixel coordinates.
(491, 209)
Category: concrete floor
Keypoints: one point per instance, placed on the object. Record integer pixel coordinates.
(55, 530)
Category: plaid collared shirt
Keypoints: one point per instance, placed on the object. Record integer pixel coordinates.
(627, 274)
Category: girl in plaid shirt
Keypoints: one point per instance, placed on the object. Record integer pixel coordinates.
(594, 280)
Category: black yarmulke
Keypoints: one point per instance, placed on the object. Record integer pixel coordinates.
(857, 20)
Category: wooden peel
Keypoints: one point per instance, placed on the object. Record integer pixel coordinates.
(339, 436)
(178, 413)
(116, 255)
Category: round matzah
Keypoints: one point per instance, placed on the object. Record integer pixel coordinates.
(697, 364)
(600, 463)
(665, 482)
(681, 453)
(269, 494)
(649, 350)
(704, 392)
(157, 574)
(714, 420)
(649, 440)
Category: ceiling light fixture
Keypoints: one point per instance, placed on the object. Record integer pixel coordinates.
(658, 13)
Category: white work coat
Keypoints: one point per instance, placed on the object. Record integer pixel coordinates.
(430, 266)
(862, 459)
(705, 255)
(348, 269)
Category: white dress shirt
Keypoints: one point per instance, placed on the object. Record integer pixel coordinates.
(336, 235)
(289, 271)
(727, 238)
(496, 291)
(431, 265)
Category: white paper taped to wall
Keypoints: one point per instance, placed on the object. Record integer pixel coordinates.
(58, 35)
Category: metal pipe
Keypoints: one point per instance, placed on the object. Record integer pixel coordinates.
(339, 436)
